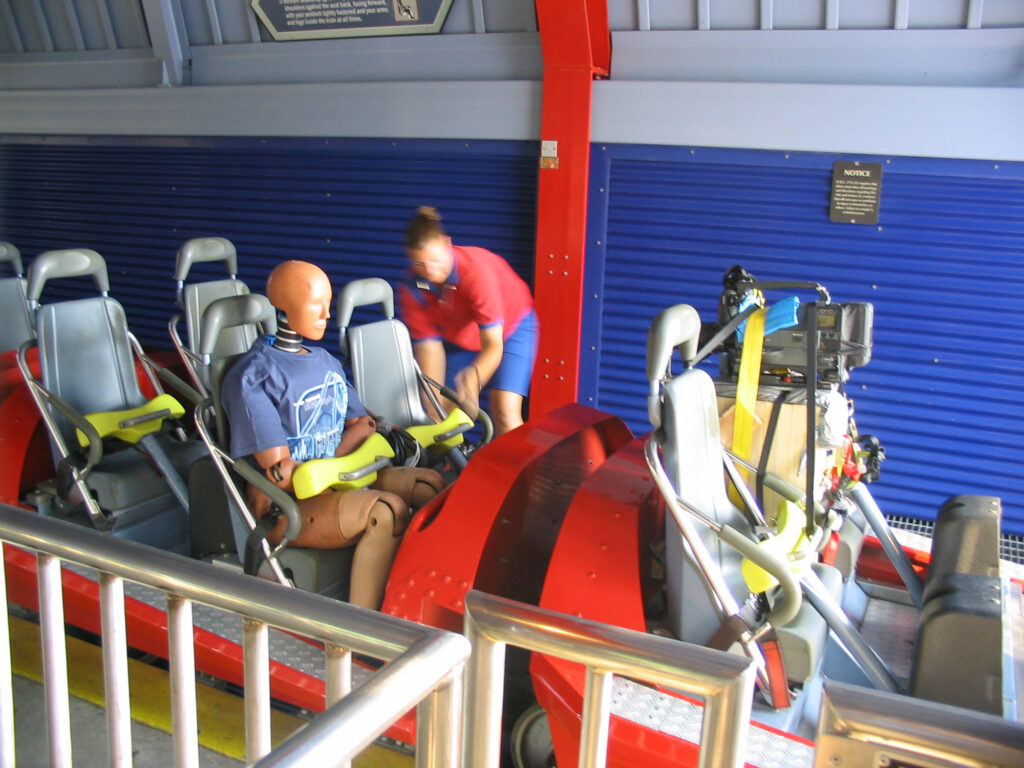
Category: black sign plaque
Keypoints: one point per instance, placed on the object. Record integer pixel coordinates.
(315, 19)
(856, 192)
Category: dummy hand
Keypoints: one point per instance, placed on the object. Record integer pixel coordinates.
(356, 431)
(278, 465)
(467, 386)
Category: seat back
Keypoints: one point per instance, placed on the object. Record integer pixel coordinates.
(194, 298)
(15, 318)
(685, 408)
(384, 370)
(247, 311)
(85, 355)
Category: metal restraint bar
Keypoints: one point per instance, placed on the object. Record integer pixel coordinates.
(724, 681)
(426, 669)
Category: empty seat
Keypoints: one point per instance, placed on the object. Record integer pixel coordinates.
(194, 298)
(114, 455)
(15, 321)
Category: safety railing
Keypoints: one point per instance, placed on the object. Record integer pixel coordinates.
(725, 682)
(425, 670)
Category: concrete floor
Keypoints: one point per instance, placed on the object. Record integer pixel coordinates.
(151, 748)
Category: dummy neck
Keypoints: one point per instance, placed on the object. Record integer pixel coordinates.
(287, 340)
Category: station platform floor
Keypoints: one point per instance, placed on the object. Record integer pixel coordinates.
(220, 713)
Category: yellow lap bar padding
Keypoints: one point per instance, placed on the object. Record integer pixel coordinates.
(313, 477)
(746, 391)
(131, 425)
(426, 434)
(787, 544)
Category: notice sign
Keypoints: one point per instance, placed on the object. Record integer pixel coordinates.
(315, 19)
(856, 192)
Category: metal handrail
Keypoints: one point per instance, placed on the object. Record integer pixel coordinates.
(724, 681)
(429, 660)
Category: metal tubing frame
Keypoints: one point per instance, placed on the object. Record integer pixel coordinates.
(256, 645)
(423, 659)
(7, 753)
(849, 637)
(55, 660)
(897, 556)
(181, 651)
(433, 664)
(115, 670)
(725, 681)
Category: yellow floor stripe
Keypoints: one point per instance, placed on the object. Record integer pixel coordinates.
(220, 714)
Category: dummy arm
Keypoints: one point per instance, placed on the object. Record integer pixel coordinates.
(279, 466)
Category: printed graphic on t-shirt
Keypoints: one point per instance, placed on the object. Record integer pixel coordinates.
(320, 419)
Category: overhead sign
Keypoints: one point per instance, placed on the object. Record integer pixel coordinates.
(316, 19)
(856, 192)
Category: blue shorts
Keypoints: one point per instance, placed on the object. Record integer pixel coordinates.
(517, 359)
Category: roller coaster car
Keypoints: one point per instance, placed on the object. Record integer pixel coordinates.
(95, 412)
(572, 513)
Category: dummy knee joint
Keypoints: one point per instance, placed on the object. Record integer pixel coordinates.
(389, 514)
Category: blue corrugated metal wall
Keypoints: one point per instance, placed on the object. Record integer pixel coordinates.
(944, 269)
(342, 204)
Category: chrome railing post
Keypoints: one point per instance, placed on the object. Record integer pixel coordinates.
(6, 679)
(425, 668)
(597, 710)
(256, 645)
(115, 670)
(183, 682)
(439, 725)
(338, 682)
(485, 683)
(724, 681)
(55, 660)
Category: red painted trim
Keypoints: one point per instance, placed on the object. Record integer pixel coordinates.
(576, 44)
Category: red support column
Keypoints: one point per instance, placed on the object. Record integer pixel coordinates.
(576, 45)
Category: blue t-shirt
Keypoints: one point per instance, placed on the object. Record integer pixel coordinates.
(273, 398)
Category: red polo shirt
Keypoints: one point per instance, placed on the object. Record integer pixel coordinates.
(482, 291)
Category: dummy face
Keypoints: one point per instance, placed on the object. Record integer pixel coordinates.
(433, 261)
(303, 292)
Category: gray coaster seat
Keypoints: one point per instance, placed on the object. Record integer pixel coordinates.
(707, 536)
(116, 454)
(390, 383)
(16, 326)
(194, 298)
(221, 521)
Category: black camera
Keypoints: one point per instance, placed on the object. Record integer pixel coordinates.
(840, 332)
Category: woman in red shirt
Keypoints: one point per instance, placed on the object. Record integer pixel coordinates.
(468, 312)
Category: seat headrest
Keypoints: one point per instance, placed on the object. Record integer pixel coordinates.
(361, 293)
(8, 252)
(232, 311)
(69, 262)
(200, 249)
(677, 327)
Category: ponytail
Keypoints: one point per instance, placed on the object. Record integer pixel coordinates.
(424, 226)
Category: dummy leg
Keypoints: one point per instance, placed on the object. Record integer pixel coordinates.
(415, 485)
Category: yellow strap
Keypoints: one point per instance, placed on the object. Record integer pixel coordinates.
(425, 433)
(132, 424)
(746, 391)
(313, 477)
(790, 543)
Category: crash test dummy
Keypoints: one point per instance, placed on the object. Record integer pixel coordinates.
(471, 318)
(287, 403)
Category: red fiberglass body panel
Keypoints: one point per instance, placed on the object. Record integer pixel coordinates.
(497, 526)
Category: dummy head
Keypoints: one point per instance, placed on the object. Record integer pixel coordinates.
(303, 292)
(429, 248)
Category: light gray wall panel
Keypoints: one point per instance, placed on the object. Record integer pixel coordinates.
(485, 110)
(981, 123)
(406, 58)
(989, 57)
(99, 69)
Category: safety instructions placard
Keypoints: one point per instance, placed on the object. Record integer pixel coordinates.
(856, 192)
(314, 19)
